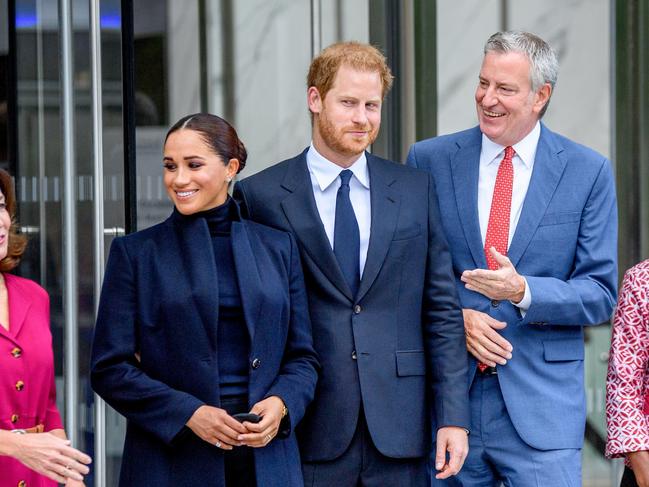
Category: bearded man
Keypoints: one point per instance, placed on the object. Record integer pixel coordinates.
(383, 302)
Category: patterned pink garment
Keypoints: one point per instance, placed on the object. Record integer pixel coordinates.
(627, 381)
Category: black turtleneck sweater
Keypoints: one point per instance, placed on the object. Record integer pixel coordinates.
(233, 341)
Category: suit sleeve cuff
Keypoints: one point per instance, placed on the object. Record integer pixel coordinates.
(526, 302)
(466, 430)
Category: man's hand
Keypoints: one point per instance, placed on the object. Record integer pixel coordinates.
(455, 441)
(640, 465)
(482, 339)
(501, 284)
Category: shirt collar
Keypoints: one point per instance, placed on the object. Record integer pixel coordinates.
(326, 172)
(525, 149)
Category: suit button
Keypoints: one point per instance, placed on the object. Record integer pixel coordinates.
(22, 483)
(354, 355)
(14, 418)
(20, 385)
(357, 309)
(16, 352)
(256, 363)
(495, 303)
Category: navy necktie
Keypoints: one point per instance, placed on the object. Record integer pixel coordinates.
(347, 240)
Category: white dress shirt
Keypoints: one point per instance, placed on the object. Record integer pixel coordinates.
(325, 181)
(523, 161)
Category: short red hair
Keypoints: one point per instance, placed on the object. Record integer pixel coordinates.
(356, 55)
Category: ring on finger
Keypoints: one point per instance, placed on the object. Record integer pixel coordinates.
(218, 444)
(268, 438)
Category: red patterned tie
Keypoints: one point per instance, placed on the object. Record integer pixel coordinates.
(501, 206)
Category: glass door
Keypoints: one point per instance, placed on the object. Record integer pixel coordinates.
(60, 187)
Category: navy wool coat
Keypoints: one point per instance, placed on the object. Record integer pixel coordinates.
(154, 356)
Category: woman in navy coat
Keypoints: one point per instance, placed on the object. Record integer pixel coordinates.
(201, 317)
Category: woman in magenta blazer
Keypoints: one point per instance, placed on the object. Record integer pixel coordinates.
(27, 394)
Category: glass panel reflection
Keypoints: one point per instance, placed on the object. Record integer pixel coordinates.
(39, 178)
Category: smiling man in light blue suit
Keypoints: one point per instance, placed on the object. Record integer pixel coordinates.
(531, 221)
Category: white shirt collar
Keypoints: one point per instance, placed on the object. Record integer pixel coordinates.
(326, 172)
(525, 149)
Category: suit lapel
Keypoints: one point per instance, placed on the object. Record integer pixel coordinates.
(301, 211)
(385, 211)
(248, 275)
(465, 167)
(549, 164)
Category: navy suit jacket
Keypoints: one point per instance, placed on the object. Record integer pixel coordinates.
(160, 300)
(565, 245)
(397, 347)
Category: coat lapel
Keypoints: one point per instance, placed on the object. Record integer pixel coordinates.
(248, 275)
(385, 211)
(194, 245)
(465, 167)
(301, 211)
(549, 164)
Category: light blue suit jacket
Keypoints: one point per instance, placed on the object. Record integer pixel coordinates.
(565, 244)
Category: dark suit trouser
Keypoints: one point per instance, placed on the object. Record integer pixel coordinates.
(628, 479)
(239, 462)
(363, 465)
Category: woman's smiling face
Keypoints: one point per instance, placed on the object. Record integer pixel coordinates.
(195, 176)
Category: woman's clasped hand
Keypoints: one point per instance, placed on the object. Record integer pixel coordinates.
(215, 426)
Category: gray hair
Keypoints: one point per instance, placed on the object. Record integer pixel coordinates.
(544, 66)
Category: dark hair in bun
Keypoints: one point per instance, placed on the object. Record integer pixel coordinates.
(218, 134)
